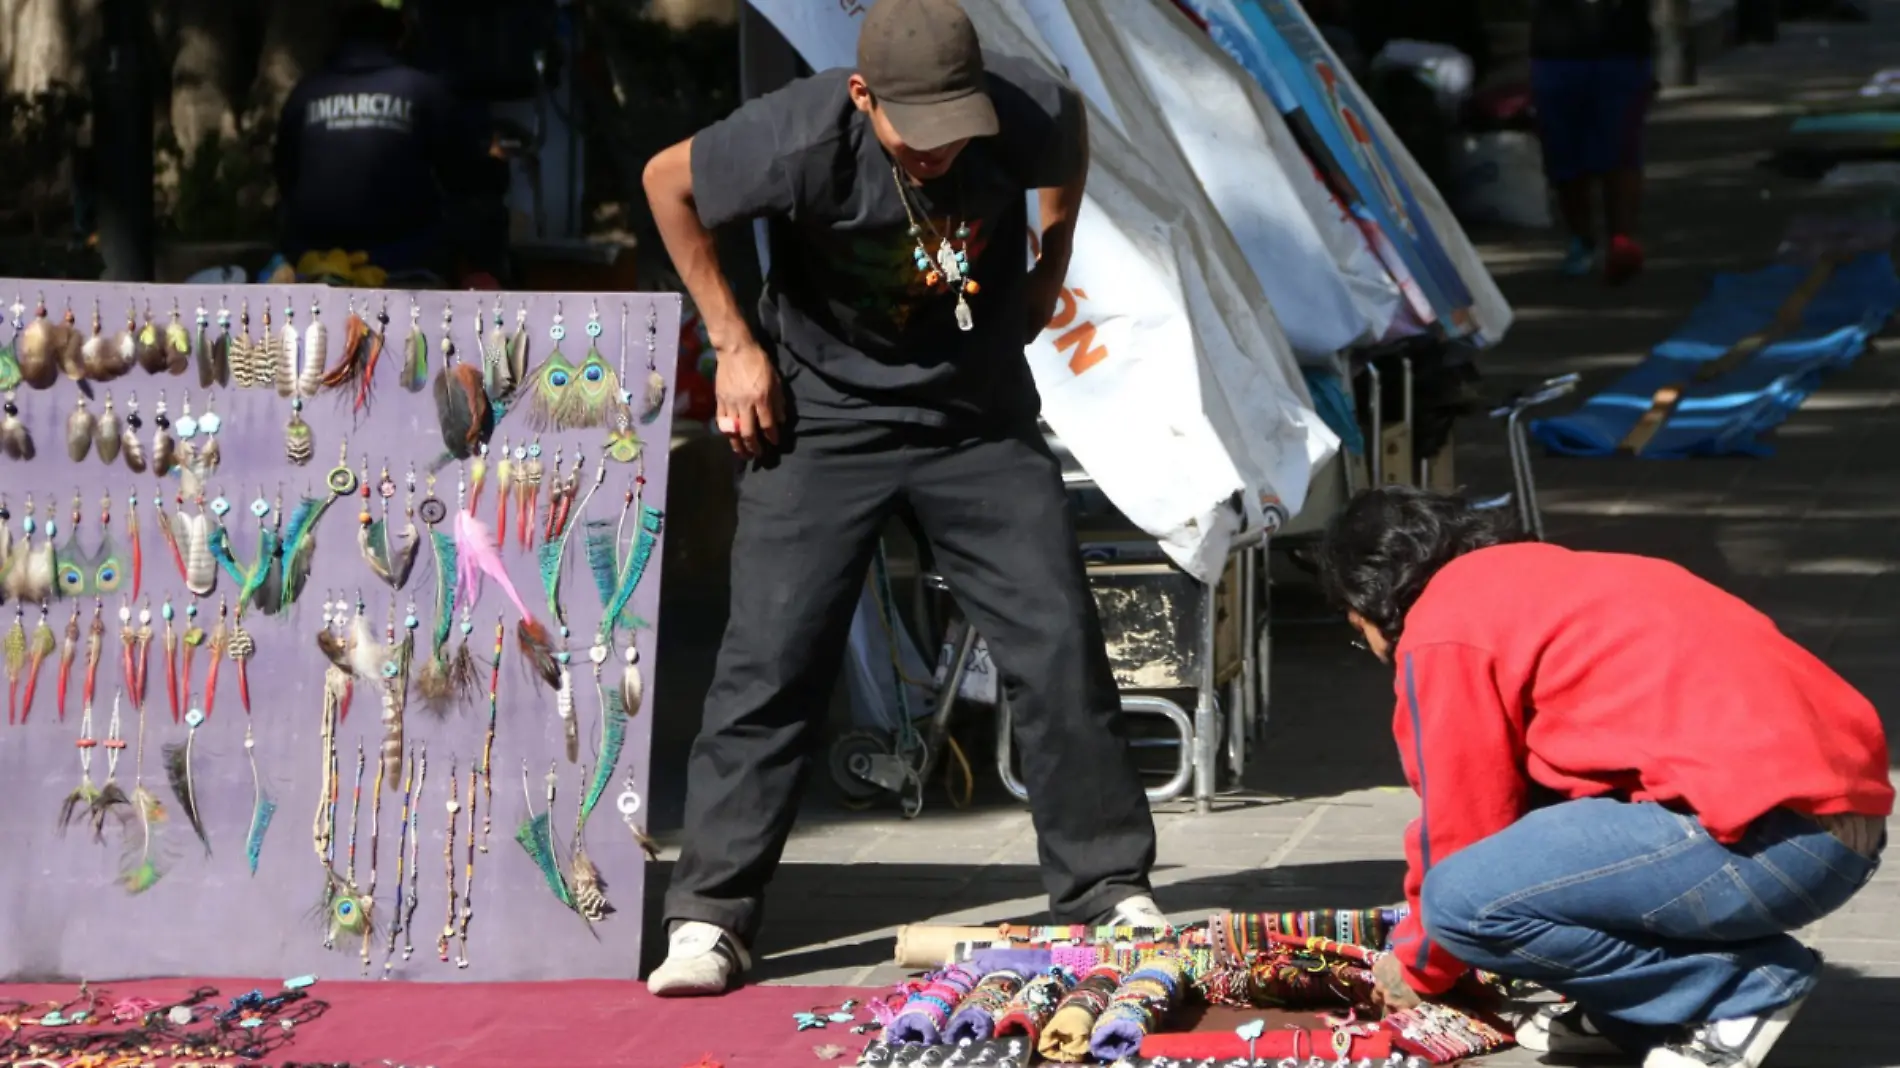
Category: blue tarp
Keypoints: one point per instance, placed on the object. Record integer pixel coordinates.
(1729, 415)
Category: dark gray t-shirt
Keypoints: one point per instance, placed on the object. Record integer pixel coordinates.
(857, 332)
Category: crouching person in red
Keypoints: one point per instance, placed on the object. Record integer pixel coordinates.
(1633, 785)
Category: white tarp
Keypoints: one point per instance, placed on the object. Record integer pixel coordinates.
(1164, 370)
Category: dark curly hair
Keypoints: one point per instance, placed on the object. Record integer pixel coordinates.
(1388, 543)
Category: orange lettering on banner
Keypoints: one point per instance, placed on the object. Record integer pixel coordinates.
(1080, 338)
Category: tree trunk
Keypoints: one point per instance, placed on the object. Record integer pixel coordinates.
(201, 104)
(684, 14)
(297, 34)
(46, 41)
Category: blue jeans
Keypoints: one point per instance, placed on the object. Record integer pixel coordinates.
(1636, 914)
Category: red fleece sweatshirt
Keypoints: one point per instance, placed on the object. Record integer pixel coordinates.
(1594, 674)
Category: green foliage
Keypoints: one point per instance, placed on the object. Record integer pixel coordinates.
(221, 191)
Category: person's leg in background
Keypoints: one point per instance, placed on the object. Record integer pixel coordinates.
(998, 520)
(807, 526)
(1628, 86)
(1561, 90)
(1649, 925)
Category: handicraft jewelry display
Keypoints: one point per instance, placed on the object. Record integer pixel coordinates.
(479, 443)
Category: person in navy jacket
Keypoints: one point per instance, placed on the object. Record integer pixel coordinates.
(1633, 785)
(372, 153)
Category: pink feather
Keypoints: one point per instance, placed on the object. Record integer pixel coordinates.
(478, 556)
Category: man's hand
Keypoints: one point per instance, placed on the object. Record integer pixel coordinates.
(751, 406)
(1044, 292)
(1391, 989)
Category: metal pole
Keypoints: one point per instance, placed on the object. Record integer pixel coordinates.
(122, 144)
(1206, 708)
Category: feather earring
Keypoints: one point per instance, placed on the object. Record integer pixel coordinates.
(362, 347)
(6, 544)
(415, 353)
(210, 454)
(164, 446)
(191, 476)
(221, 348)
(553, 553)
(518, 343)
(10, 352)
(463, 410)
(242, 353)
(177, 345)
(107, 433)
(129, 444)
(125, 343)
(632, 686)
(68, 655)
(478, 556)
(178, 772)
(86, 794)
(36, 350)
(80, 426)
(41, 646)
(146, 856)
(31, 577)
(537, 839)
(15, 440)
(504, 478)
(68, 351)
(655, 399)
(99, 357)
(316, 352)
(528, 475)
(112, 799)
(284, 365)
(207, 361)
(13, 647)
(190, 641)
(152, 357)
(498, 371)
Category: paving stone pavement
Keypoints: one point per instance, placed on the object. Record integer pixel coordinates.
(1806, 534)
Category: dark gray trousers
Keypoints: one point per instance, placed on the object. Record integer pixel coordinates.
(998, 522)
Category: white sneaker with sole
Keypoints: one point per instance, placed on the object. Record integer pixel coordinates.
(1566, 1031)
(1740, 1043)
(701, 960)
(1137, 911)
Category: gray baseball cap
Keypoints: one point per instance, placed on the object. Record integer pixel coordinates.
(924, 65)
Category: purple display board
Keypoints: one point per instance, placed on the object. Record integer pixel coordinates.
(72, 906)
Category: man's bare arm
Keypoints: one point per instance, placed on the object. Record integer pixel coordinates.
(1059, 207)
(746, 383)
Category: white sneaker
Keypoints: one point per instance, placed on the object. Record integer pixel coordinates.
(701, 960)
(1138, 911)
(1740, 1043)
(1564, 1030)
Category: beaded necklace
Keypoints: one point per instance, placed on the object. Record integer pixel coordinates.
(949, 270)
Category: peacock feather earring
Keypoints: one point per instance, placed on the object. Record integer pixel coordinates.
(80, 425)
(564, 396)
(16, 441)
(107, 433)
(433, 680)
(537, 838)
(164, 446)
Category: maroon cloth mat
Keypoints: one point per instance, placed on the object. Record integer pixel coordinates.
(578, 1024)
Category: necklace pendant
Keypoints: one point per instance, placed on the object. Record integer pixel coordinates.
(965, 322)
(947, 263)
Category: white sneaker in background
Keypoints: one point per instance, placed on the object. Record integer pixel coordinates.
(1137, 911)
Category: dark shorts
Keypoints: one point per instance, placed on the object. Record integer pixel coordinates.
(1590, 114)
